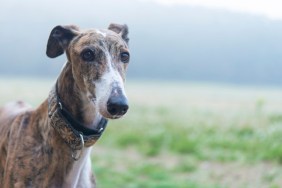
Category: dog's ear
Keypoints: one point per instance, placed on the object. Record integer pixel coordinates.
(59, 39)
(122, 30)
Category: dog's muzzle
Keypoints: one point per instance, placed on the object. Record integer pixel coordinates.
(117, 105)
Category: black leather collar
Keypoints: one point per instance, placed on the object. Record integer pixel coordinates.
(78, 126)
(73, 132)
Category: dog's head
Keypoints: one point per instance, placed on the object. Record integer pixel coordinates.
(99, 59)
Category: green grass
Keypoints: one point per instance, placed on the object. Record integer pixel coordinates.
(184, 135)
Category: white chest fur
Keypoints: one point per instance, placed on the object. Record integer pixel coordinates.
(79, 176)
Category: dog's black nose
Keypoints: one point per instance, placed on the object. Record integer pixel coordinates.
(117, 105)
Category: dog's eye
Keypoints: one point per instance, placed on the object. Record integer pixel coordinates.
(124, 57)
(88, 55)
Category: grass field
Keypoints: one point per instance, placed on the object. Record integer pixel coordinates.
(183, 135)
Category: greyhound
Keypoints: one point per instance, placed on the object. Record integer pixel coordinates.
(50, 146)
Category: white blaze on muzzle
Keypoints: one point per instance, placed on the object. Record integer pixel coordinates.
(110, 84)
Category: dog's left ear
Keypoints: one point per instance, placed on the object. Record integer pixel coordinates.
(59, 39)
(122, 30)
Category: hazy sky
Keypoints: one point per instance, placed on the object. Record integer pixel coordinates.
(268, 8)
(206, 40)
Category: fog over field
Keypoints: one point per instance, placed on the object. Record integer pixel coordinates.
(178, 42)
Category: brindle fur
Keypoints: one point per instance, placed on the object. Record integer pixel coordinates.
(32, 153)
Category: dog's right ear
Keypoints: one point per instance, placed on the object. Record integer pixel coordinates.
(59, 39)
(122, 30)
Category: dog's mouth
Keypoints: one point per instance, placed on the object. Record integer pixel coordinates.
(113, 117)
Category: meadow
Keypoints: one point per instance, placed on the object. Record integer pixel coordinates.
(183, 135)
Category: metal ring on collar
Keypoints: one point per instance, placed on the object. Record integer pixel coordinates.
(60, 105)
(74, 154)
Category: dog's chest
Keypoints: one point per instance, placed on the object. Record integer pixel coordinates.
(80, 172)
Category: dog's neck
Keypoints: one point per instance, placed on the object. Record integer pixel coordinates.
(75, 100)
(84, 111)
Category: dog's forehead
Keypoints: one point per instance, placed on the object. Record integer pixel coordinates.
(97, 37)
